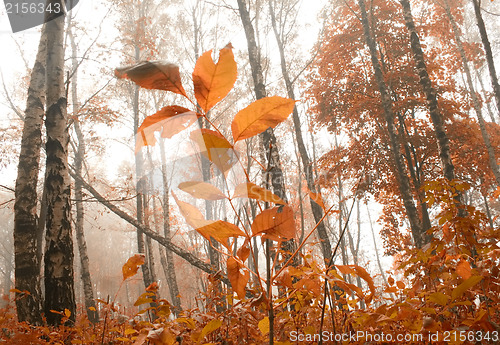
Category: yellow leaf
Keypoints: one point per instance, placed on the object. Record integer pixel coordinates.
(276, 223)
(67, 313)
(238, 276)
(215, 147)
(264, 325)
(260, 115)
(130, 331)
(439, 298)
(202, 190)
(144, 299)
(132, 265)
(252, 191)
(190, 323)
(155, 75)
(220, 230)
(169, 121)
(464, 270)
(213, 81)
(210, 327)
(460, 290)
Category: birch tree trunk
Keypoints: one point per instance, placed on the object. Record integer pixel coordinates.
(59, 280)
(88, 291)
(26, 241)
(418, 234)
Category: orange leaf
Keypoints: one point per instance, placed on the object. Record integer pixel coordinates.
(285, 278)
(215, 147)
(161, 336)
(132, 265)
(244, 251)
(169, 120)
(400, 285)
(190, 213)
(316, 197)
(237, 276)
(260, 115)
(276, 223)
(463, 269)
(390, 280)
(460, 290)
(252, 191)
(213, 81)
(202, 190)
(360, 272)
(217, 229)
(156, 75)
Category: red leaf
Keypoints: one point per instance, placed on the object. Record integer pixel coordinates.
(156, 75)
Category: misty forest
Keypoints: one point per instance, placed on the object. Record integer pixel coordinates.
(251, 172)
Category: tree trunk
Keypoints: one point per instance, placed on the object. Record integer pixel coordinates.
(274, 172)
(487, 50)
(475, 101)
(90, 306)
(419, 236)
(317, 211)
(169, 267)
(59, 280)
(430, 93)
(26, 241)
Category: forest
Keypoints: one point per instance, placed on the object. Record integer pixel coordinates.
(250, 172)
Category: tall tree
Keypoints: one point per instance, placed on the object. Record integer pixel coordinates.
(430, 92)
(306, 161)
(487, 50)
(402, 177)
(27, 262)
(59, 280)
(475, 100)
